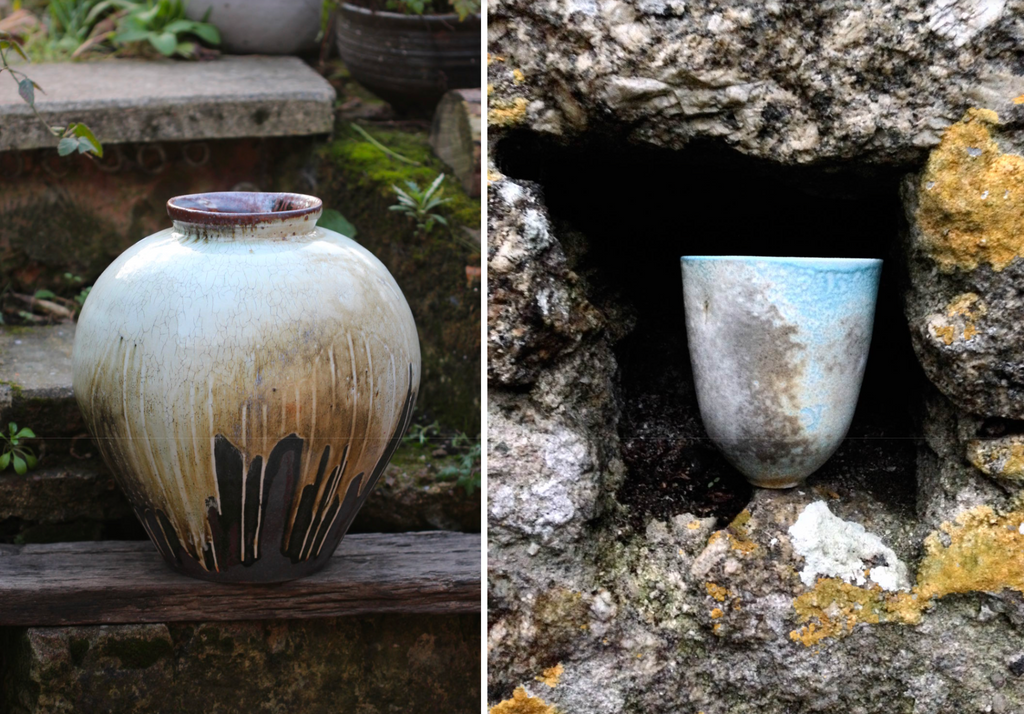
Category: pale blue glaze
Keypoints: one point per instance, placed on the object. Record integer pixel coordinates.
(778, 341)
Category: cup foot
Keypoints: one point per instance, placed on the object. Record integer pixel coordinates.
(776, 484)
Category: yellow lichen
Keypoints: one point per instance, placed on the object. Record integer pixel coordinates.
(1019, 100)
(998, 457)
(551, 675)
(717, 591)
(517, 76)
(985, 553)
(972, 197)
(961, 314)
(491, 59)
(523, 703)
(716, 613)
(833, 607)
(507, 113)
(945, 333)
(693, 525)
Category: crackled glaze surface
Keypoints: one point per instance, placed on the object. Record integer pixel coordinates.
(248, 380)
(778, 348)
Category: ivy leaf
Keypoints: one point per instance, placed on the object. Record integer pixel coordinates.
(67, 145)
(334, 221)
(27, 91)
(86, 136)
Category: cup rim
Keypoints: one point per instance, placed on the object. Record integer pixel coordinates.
(799, 260)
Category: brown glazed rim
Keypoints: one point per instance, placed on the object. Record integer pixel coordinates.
(234, 208)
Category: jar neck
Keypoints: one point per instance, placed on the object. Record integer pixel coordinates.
(268, 229)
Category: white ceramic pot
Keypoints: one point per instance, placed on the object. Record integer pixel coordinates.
(778, 348)
(247, 376)
(264, 27)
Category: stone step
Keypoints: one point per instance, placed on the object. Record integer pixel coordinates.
(127, 101)
(72, 488)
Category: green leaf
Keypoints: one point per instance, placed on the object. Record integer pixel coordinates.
(13, 427)
(5, 459)
(44, 294)
(20, 467)
(27, 91)
(441, 219)
(132, 35)
(31, 459)
(67, 145)
(185, 49)
(85, 133)
(13, 44)
(26, 433)
(333, 221)
(165, 43)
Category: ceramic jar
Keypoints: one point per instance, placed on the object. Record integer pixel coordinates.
(247, 376)
(264, 27)
(778, 348)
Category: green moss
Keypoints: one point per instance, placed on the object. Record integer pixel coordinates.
(380, 172)
(138, 653)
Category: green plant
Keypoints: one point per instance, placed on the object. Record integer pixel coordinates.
(419, 204)
(15, 452)
(71, 138)
(333, 221)
(419, 434)
(434, 7)
(69, 23)
(465, 471)
(160, 24)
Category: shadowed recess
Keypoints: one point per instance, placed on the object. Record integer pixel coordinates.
(626, 214)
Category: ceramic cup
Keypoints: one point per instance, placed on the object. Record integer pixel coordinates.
(778, 348)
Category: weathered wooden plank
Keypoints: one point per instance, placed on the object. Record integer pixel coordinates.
(106, 582)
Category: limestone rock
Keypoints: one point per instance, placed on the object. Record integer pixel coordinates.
(875, 80)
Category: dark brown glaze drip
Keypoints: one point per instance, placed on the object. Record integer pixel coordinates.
(233, 208)
(276, 559)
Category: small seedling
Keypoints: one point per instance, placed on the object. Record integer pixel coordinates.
(420, 434)
(419, 204)
(465, 471)
(14, 452)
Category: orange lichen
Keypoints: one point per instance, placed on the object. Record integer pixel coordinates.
(1019, 100)
(1003, 457)
(523, 703)
(985, 553)
(551, 675)
(971, 207)
(507, 113)
(946, 333)
(833, 607)
(491, 59)
(716, 613)
(717, 591)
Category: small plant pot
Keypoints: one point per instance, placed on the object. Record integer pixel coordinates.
(410, 61)
(778, 348)
(247, 376)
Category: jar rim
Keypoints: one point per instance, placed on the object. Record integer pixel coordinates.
(234, 208)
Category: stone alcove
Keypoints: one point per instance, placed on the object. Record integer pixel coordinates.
(763, 129)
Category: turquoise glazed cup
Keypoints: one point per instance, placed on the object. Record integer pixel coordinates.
(778, 348)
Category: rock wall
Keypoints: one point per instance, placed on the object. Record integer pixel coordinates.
(892, 581)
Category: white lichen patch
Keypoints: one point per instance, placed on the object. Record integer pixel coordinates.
(834, 548)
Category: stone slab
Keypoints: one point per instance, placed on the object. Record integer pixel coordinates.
(110, 582)
(126, 101)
